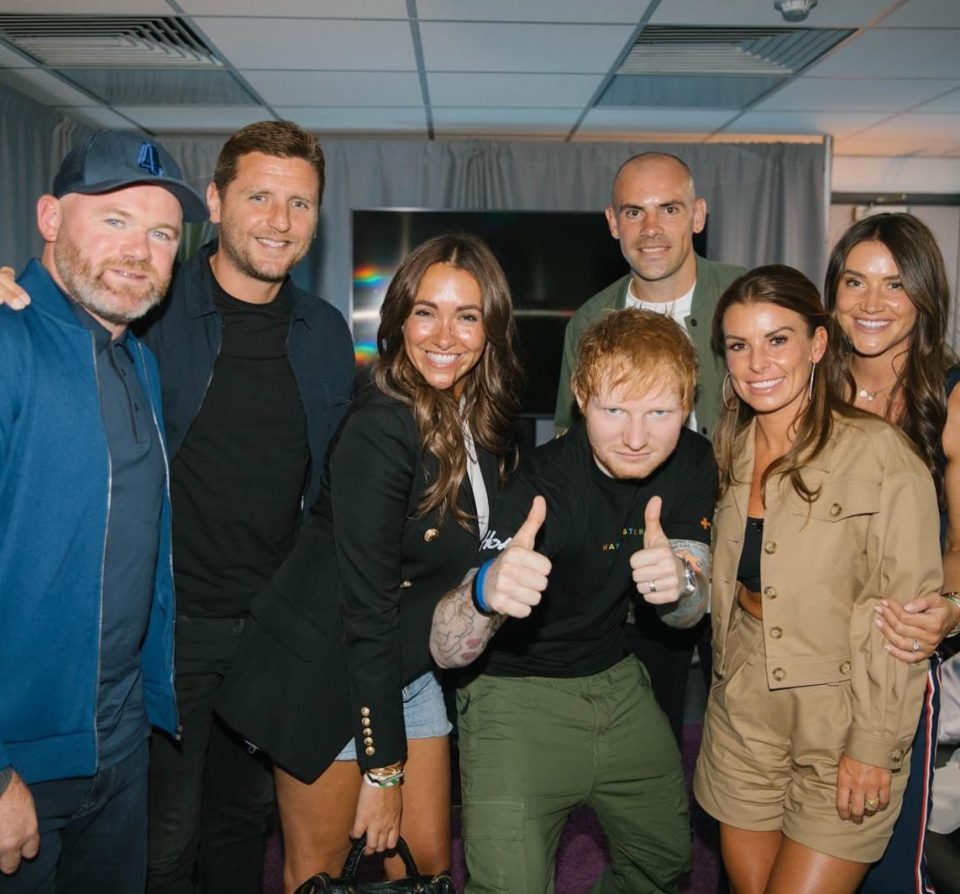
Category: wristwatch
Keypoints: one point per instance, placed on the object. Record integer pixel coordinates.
(689, 579)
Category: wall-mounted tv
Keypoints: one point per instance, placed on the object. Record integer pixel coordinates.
(553, 260)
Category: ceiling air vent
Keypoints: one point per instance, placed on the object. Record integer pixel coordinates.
(771, 52)
(62, 41)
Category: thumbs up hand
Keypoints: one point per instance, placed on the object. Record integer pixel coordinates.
(658, 571)
(517, 578)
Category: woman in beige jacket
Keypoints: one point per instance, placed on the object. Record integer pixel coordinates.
(824, 511)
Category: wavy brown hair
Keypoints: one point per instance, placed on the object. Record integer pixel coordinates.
(789, 289)
(489, 399)
(921, 381)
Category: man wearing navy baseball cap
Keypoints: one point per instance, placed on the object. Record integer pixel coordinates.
(86, 591)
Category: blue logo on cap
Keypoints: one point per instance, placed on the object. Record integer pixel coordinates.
(149, 159)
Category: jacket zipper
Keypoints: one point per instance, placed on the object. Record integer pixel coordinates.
(103, 564)
(166, 486)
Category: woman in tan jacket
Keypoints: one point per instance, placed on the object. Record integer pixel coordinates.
(824, 511)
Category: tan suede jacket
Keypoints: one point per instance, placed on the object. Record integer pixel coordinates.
(871, 534)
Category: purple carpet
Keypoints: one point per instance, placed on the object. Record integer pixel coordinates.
(582, 853)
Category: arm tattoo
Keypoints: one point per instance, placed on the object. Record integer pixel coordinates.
(690, 609)
(459, 632)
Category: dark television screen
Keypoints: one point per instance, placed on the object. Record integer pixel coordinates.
(554, 261)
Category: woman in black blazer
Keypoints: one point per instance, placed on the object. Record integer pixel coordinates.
(344, 624)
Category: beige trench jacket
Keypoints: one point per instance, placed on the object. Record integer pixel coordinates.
(872, 534)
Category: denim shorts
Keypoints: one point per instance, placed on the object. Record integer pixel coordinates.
(424, 713)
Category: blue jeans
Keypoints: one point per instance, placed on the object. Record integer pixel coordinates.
(93, 833)
(211, 800)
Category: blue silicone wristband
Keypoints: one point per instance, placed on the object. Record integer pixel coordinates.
(479, 603)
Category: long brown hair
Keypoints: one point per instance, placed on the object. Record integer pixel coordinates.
(789, 289)
(489, 399)
(921, 380)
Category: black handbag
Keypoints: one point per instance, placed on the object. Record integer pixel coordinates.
(347, 883)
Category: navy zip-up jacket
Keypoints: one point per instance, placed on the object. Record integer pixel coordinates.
(185, 335)
(54, 505)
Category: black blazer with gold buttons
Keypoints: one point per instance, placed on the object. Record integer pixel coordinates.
(344, 623)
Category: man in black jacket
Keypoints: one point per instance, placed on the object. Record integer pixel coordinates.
(256, 375)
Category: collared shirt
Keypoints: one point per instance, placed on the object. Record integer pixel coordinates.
(130, 552)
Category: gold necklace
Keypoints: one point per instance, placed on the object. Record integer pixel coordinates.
(872, 395)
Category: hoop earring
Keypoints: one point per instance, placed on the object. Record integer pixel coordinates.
(813, 370)
(723, 394)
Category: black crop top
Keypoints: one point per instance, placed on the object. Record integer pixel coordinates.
(748, 571)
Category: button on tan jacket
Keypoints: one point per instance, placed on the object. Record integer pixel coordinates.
(871, 534)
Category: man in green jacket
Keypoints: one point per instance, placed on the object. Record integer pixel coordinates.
(654, 213)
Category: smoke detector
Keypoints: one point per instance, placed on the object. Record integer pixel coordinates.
(794, 10)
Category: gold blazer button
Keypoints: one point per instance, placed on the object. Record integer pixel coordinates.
(431, 534)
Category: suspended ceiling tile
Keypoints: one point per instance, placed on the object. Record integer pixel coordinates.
(896, 53)
(532, 90)
(834, 123)
(317, 44)
(948, 103)
(862, 94)
(160, 87)
(891, 147)
(650, 120)
(43, 87)
(685, 91)
(337, 9)
(827, 14)
(505, 120)
(620, 11)
(95, 117)
(925, 14)
(522, 47)
(368, 120)
(209, 119)
(336, 88)
(930, 126)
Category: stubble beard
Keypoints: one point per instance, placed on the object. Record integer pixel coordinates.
(89, 289)
(231, 244)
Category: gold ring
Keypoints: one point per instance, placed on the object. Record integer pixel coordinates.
(653, 586)
(871, 803)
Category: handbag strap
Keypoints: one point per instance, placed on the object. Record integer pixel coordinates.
(352, 864)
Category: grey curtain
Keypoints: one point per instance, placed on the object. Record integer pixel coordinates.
(765, 200)
(33, 140)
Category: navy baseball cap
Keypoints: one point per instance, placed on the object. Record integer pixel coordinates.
(113, 159)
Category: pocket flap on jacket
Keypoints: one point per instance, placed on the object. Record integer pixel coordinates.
(839, 500)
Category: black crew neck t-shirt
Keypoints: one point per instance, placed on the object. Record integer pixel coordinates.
(594, 524)
(237, 481)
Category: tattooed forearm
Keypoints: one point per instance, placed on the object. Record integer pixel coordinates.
(690, 609)
(460, 633)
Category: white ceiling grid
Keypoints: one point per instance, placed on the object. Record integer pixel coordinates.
(520, 68)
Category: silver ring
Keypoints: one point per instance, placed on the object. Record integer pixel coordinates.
(916, 645)
(653, 586)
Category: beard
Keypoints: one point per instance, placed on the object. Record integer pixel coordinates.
(119, 305)
(232, 244)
